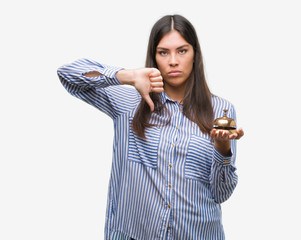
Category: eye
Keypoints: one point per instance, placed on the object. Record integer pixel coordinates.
(183, 51)
(162, 53)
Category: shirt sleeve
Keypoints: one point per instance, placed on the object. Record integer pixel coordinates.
(103, 92)
(223, 178)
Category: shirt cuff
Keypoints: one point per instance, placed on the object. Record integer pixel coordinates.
(219, 158)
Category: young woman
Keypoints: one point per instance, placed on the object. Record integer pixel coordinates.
(171, 169)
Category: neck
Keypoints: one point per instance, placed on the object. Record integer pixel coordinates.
(176, 94)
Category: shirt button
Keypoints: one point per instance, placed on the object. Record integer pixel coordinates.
(169, 186)
(226, 161)
(168, 206)
(177, 127)
(170, 165)
(173, 144)
(169, 227)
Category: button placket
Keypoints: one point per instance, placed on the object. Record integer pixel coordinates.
(175, 123)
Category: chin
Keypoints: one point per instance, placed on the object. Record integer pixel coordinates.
(176, 82)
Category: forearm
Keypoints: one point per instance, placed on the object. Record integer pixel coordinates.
(83, 74)
(223, 181)
(223, 178)
(123, 76)
(126, 76)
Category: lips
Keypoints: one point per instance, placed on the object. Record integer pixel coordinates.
(174, 73)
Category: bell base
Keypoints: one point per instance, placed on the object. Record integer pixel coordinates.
(231, 130)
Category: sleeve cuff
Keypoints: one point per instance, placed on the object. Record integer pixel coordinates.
(219, 158)
(109, 73)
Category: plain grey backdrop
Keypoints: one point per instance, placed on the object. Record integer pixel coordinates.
(55, 151)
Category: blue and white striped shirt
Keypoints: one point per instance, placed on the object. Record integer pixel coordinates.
(167, 186)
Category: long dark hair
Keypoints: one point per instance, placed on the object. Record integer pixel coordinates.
(197, 104)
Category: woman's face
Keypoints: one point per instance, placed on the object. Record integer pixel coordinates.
(174, 57)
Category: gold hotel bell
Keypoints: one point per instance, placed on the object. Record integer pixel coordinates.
(225, 123)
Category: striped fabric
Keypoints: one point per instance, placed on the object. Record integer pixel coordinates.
(167, 186)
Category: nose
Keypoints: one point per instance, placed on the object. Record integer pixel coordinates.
(173, 60)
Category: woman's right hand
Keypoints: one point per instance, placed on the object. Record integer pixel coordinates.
(145, 80)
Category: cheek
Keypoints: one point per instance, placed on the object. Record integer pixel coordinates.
(160, 65)
(189, 66)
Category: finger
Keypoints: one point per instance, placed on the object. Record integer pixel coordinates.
(157, 84)
(155, 73)
(149, 101)
(219, 133)
(233, 136)
(215, 134)
(157, 90)
(237, 134)
(223, 135)
(240, 133)
(156, 79)
(157, 87)
(212, 133)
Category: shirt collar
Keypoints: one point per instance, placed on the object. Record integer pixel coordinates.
(165, 97)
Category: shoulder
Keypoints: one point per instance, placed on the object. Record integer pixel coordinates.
(220, 104)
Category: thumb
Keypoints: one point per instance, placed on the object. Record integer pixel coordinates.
(149, 101)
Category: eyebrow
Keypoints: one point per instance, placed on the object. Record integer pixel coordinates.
(185, 45)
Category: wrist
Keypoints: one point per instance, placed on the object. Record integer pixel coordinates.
(223, 147)
(125, 76)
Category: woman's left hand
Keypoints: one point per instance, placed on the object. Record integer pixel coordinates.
(223, 135)
(222, 139)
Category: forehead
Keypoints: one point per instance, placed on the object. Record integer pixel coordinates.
(172, 40)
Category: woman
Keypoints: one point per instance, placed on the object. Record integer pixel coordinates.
(170, 169)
